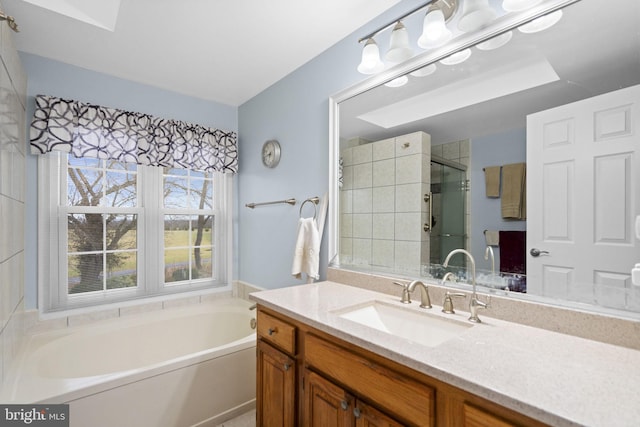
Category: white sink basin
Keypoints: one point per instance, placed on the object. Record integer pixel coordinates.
(423, 328)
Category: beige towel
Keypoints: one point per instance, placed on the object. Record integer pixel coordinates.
(514, 186)
(492, 181)
(492, 237)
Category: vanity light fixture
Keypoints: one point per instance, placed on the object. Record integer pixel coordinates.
(475, 15)
(434, 30)
(542, 23)
(371, 62)
(399, 50)
(435, 34)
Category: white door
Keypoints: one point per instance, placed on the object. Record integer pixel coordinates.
(583, 191)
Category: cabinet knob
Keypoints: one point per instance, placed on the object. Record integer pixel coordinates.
(286, 366)
(272, 331)
(356, 413)
(344, 405)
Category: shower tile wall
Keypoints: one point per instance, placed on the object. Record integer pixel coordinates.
(12, 196)
(460, 152)
(381, 203)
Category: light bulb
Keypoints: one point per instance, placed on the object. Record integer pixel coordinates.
(495, 42)
(475, 15)
(518, 5)
(397, 82)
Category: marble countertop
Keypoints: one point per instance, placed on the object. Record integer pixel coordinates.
(558, 379)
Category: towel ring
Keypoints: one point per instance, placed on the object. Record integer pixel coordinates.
(315, 210)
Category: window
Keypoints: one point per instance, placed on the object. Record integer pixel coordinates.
(113, 231)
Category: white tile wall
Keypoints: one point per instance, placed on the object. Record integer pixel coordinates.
(381, 201)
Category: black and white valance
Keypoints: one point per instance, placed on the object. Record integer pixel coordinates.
(86, 130)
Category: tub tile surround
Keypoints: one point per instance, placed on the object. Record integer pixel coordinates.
(559, 379)
(604, 328)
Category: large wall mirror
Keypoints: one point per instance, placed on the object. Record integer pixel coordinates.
(526, 155)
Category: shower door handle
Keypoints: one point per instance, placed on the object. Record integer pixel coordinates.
(428, 198)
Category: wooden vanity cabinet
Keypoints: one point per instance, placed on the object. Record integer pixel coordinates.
(309, 378)
(276, 372)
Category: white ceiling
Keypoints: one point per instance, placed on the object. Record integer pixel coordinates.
(223, 51)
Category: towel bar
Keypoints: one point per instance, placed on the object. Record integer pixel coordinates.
(288, 201)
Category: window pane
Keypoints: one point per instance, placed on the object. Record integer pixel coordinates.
(202, 266)
(176, 231)
(84, 187)
(175, 192)
(201, 231)
(201, 194)
(122, 270)
(120, 190)
(176, 265)
(121, 232)
(86, 162)
(114, 164)
(85, 273)
(85, 232)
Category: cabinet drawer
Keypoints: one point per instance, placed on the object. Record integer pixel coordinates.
(277, 332)
(476, 417)
(400, 396)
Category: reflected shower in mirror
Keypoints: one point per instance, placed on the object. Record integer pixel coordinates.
(476, 155)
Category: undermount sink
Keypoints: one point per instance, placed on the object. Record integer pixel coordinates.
(423, 328)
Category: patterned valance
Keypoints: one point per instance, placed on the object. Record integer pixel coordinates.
(86, 130)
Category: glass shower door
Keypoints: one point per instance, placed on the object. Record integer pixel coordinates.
(449, 212)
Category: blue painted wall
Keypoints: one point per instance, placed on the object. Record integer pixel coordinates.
(295, 111)
(493, 150)
(55, 78)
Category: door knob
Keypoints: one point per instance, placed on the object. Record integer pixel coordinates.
(535, 252)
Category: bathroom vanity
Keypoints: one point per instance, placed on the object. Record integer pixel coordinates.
(324, 358)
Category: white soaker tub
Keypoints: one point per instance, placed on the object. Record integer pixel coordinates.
(189, 366)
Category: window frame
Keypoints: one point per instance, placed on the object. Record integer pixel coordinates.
(52, 239)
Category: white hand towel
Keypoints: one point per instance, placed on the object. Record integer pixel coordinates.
(306, 257)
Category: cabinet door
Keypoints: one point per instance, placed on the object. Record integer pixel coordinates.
(326, 404)
(368, 416)
(276, 388)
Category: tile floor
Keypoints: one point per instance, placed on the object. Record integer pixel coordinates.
(247, 419)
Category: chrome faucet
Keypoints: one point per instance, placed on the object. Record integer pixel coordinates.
(425, 301)
(474, 303)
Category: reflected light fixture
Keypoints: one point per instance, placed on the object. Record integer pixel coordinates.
(370, 63)
(475, 15)
(397, 82)
(399, 49)
(424, 71)
(518, 5)
(496, 42)
(542, 23)
(457, 58)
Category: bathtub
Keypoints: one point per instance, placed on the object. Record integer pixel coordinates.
(188, 366)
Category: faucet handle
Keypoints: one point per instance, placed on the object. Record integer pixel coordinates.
(406, 297)
(476, 304)
(447, 305)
